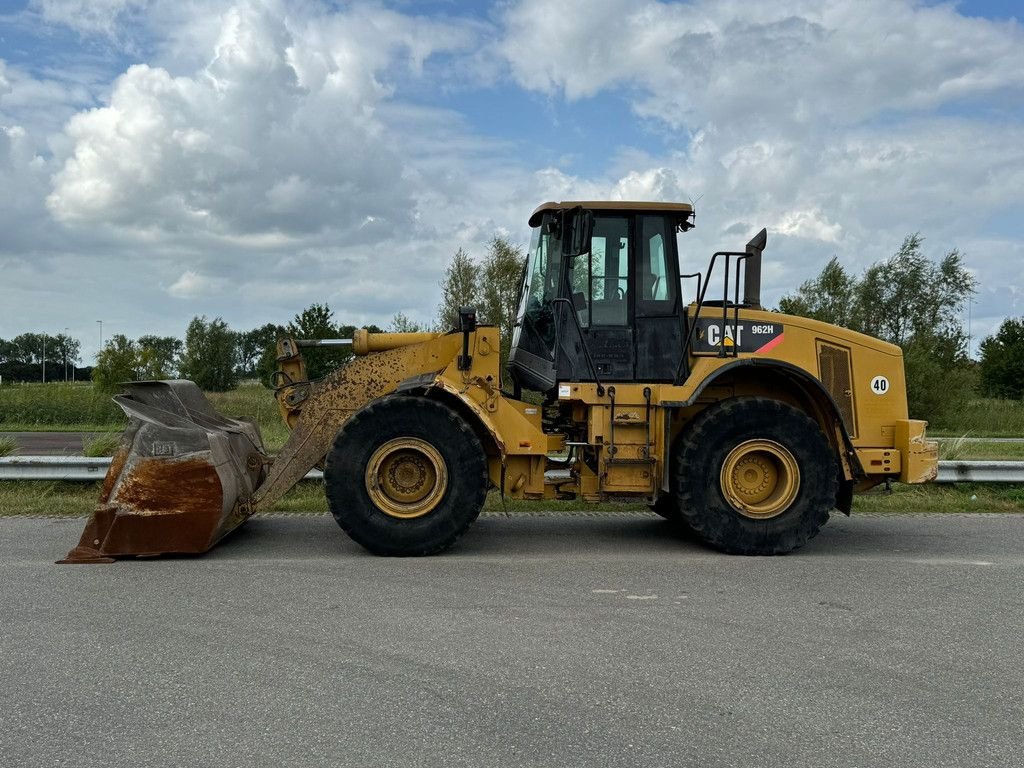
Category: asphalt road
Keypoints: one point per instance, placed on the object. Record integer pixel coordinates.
(558, 641)
(50, 443)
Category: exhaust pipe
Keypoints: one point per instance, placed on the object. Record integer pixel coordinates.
(752, 272)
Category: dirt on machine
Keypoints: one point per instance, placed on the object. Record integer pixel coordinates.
(628, 379)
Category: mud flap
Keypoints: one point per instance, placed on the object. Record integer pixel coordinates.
(180, 480)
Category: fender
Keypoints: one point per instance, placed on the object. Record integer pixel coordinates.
(801, 378)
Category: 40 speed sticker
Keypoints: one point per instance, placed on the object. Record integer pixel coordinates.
(712, 336)
(879, 385)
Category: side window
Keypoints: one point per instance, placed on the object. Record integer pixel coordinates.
(600, 279)
(657, 291)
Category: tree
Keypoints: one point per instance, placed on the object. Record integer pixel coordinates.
(829, 297)
(252, 345)
(317, 322)
(116, 363)
(158, 356)
(314, 322)
(210, 354)
(458, 289)
(500, 275)
(402, 324)
(1002, 361)
(910, 301)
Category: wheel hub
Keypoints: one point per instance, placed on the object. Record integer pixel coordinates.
(760, 478)
(406, 477)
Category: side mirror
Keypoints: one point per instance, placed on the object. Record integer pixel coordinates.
(577, 230)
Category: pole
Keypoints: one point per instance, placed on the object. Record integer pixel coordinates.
(65, 355)
(44, 358)
(101, 334)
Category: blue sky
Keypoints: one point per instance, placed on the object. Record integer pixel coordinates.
(245, 158)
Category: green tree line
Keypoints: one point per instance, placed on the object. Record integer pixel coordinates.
(29, 356)
(917, 304)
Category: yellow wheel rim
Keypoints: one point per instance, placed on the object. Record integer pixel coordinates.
(760, 478)
(406, 477)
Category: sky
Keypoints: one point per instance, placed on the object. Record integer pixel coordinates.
(161, 159)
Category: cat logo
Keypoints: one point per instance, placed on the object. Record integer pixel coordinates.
(737, 337)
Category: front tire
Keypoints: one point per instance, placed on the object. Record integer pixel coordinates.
(405, 476)
(755, 476)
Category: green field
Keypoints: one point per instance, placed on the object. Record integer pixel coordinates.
(63, 407)
(984, 417)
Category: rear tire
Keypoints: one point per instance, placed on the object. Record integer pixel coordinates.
(755, 476)
(405, 476)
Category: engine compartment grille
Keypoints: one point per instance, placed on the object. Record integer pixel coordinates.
(835, 373)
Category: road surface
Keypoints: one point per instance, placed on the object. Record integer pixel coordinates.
(537, 641)
(50, 443)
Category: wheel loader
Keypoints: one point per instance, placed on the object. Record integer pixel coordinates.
(746, 426)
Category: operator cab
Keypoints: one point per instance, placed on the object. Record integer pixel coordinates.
(601, 278)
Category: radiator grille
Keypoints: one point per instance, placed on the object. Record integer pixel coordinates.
(834, 369)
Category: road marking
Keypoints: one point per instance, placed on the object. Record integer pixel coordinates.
(949, 561)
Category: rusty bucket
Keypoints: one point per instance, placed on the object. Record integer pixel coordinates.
(179, 481)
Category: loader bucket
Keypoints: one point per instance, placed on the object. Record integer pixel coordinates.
(179, 481)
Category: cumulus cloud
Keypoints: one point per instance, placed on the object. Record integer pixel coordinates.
(800, 61)
(272, 135)
(840, 126)
(262, 155)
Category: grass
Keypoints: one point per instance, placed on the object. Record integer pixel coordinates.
(60, 406)
(7, 446)
(985, 417)
(81, 408)
(961, 497)
(101, 445)
(961, 449)
(58, 499)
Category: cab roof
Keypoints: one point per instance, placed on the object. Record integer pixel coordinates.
(683, 209)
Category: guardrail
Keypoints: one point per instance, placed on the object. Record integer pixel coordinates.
(981, 472)
(84, 469)
(75, 469)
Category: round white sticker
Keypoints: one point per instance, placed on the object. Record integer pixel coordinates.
(879, 385)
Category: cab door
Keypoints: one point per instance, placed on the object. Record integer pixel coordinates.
(601, 286)
(658, 321)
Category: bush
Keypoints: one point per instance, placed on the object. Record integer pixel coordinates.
(1002, 361)
(935, 392)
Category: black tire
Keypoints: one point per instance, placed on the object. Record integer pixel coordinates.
(441, 439)
(732, 432)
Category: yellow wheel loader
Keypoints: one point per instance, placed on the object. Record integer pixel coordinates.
(748, 427)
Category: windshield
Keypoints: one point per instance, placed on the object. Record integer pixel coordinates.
(540, 286)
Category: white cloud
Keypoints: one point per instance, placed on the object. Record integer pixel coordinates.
(816, 119)
(769, 64)
(192, 284)
(88, 16)
(263, 155)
